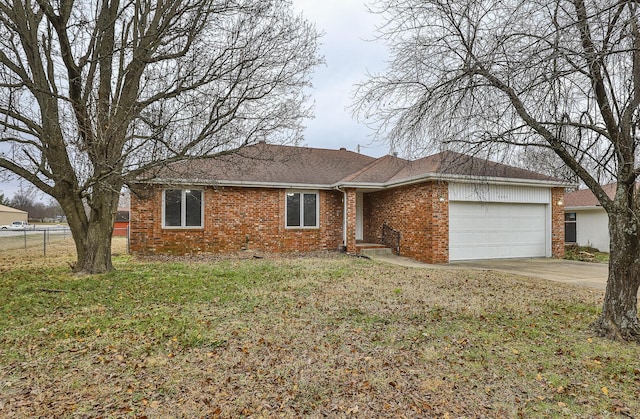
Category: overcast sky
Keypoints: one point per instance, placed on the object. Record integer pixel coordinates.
(349, 53)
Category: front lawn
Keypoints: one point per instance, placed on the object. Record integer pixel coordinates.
(324, 336)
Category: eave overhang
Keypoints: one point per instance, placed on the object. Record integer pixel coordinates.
(584, 208)
(372, 186)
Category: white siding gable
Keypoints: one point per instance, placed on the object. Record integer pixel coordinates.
(483, 192)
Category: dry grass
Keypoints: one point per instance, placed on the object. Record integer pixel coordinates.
(290, 337)
(585, 254)
(59, 251)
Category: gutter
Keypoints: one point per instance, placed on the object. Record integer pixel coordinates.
(584, 207)
(457, 178)
(241, 183)
(367, 185)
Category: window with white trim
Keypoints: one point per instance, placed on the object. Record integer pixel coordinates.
(302, 209)
(182, 208)
(570, 225)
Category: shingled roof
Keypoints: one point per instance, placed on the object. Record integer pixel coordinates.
(586, 198)
(269, 164)
(277, 165)
(462, 165)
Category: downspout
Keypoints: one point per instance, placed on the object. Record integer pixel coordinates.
(344, 217)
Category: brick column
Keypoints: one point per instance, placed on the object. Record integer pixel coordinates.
(438, 229)
(557, 223)
(351, 220)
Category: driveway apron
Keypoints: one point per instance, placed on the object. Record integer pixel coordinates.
(593, 275)
(585, 274)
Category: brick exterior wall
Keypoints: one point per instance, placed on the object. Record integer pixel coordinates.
(421, 214)
(351, 220)
(253, 218)
(557, 222)
(235, 219)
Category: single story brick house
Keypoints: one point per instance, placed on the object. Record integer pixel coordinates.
(586, 222)
(275, 198)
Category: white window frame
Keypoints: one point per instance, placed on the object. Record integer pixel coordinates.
(183, 209)
(286, 207)
(575, 225)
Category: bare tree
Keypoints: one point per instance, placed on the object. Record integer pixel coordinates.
(562, 75)
(96, 93)
(24, 198)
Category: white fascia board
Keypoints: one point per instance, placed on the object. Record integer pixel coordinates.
(368, 185)
(486, 179)
(584, 208)
(244, 184)
(457, 178)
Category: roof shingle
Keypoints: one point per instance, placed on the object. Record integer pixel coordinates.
(458, 164)
(586, 198)
(276, 164)
(267, 163)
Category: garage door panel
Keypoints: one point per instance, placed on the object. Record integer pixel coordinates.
(496, 230)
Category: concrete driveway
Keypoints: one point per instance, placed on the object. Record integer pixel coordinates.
(586, 274)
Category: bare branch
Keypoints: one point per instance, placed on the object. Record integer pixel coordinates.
(93, 94)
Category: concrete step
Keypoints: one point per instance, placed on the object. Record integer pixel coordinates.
(378, 251)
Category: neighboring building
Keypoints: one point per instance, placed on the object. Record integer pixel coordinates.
(441, 208)
(9, 215)
(586, 222)
(121, 224)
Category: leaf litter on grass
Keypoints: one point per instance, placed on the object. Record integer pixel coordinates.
(312, 336)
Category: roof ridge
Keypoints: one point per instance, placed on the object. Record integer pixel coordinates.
(492, 163)
(295, 165)
(371, 166)
(304, 147)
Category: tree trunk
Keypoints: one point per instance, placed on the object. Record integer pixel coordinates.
(92, 228)
(619, 318)
(94, 250)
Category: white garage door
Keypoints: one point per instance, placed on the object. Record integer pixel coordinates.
(496, 230)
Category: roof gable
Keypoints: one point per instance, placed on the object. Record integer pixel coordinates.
(458, 164)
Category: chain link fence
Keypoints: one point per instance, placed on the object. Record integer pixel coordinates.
(36, 239)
